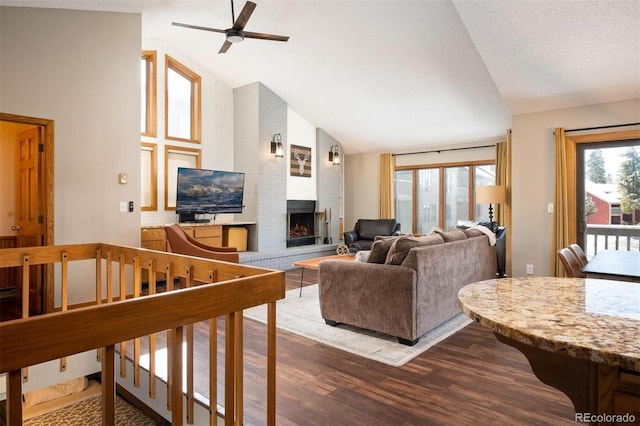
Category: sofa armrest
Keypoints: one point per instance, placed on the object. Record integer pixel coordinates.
(350, 237)
(369, 295)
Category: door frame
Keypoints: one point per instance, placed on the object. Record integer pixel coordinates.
(571, 143)
(45, 192)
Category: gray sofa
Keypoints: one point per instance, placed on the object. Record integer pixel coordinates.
(414, 291)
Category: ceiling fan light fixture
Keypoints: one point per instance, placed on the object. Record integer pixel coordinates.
(234, 36)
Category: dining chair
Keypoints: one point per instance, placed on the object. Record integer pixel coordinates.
(571, 263)
(579, 253)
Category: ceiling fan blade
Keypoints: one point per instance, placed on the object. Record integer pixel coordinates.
(263, 36)
(225, 46)
(196, 27)
(244, 16)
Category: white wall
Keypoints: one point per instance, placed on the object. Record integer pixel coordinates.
(95, 106)
(302, 133)
(82, 70)
(533, 173)
(362, 188)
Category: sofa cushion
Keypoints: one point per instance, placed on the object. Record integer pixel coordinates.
(454, 235)
(380, 248)
(369, 228)
(401, 246)
(471, 232)
(450, 235)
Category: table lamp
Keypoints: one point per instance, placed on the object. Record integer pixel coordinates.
(494, 194)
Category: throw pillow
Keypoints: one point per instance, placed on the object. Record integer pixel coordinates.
(401, 247)
(380, 248)
(362, 255)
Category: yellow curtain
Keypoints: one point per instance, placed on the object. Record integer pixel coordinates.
(387, 170)
(560, 231)
(503, 178)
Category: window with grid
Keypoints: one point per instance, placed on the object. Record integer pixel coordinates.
(441, 196)
(148, 93)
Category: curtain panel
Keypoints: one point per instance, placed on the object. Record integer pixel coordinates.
(560, 230)
(387, 199)
(503, 178)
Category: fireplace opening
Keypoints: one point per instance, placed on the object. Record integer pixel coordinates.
(301, 223)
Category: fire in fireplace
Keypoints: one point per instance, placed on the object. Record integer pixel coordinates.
(301, 223)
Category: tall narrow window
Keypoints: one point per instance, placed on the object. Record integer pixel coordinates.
(148, 94)
(182, 102)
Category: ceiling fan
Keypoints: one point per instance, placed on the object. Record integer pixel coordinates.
(236, 33)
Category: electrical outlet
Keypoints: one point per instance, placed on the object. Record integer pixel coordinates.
(124, 206)
(529, 269)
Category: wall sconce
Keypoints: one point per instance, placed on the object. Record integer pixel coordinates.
(334, 156)
(276, 146)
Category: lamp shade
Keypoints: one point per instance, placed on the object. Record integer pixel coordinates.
(490, 194)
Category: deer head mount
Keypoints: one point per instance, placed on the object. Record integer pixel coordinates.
(301, 161)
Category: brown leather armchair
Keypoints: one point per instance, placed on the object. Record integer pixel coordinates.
(571, 263)
(182, 243)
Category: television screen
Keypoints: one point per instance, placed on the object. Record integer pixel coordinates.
(202, 191)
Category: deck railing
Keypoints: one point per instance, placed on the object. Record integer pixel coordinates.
(611, 237)
(212, 289)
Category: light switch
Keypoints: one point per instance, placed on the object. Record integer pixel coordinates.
(550, 208)
(123, 178)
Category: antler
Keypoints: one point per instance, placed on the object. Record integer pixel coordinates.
(301, 161)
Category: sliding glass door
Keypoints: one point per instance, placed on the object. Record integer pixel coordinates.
(608, 196)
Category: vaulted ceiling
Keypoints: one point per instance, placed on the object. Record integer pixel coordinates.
(397, 75)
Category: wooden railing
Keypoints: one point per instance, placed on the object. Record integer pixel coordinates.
(611, 237)
(212, 289)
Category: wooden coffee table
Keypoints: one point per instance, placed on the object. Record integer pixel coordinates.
(314, 262)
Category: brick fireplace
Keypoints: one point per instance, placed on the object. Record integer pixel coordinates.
(301, 223)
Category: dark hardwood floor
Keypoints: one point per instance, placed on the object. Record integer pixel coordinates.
(468, 379)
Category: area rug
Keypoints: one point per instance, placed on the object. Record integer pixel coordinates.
(89, 412)
(301, 315)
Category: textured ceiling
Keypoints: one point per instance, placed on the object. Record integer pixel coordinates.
(399, 75)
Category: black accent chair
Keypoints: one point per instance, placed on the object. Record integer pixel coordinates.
(366, 230)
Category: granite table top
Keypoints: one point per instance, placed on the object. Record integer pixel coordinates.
(592, 319)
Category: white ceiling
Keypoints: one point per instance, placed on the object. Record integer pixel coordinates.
(398, 75)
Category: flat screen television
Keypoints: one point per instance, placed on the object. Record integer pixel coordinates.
(202, 191)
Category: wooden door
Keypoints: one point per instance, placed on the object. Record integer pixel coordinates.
(29, 219)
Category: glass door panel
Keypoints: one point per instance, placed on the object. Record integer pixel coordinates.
(457, 196)
(428, 194)
(403, 182)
